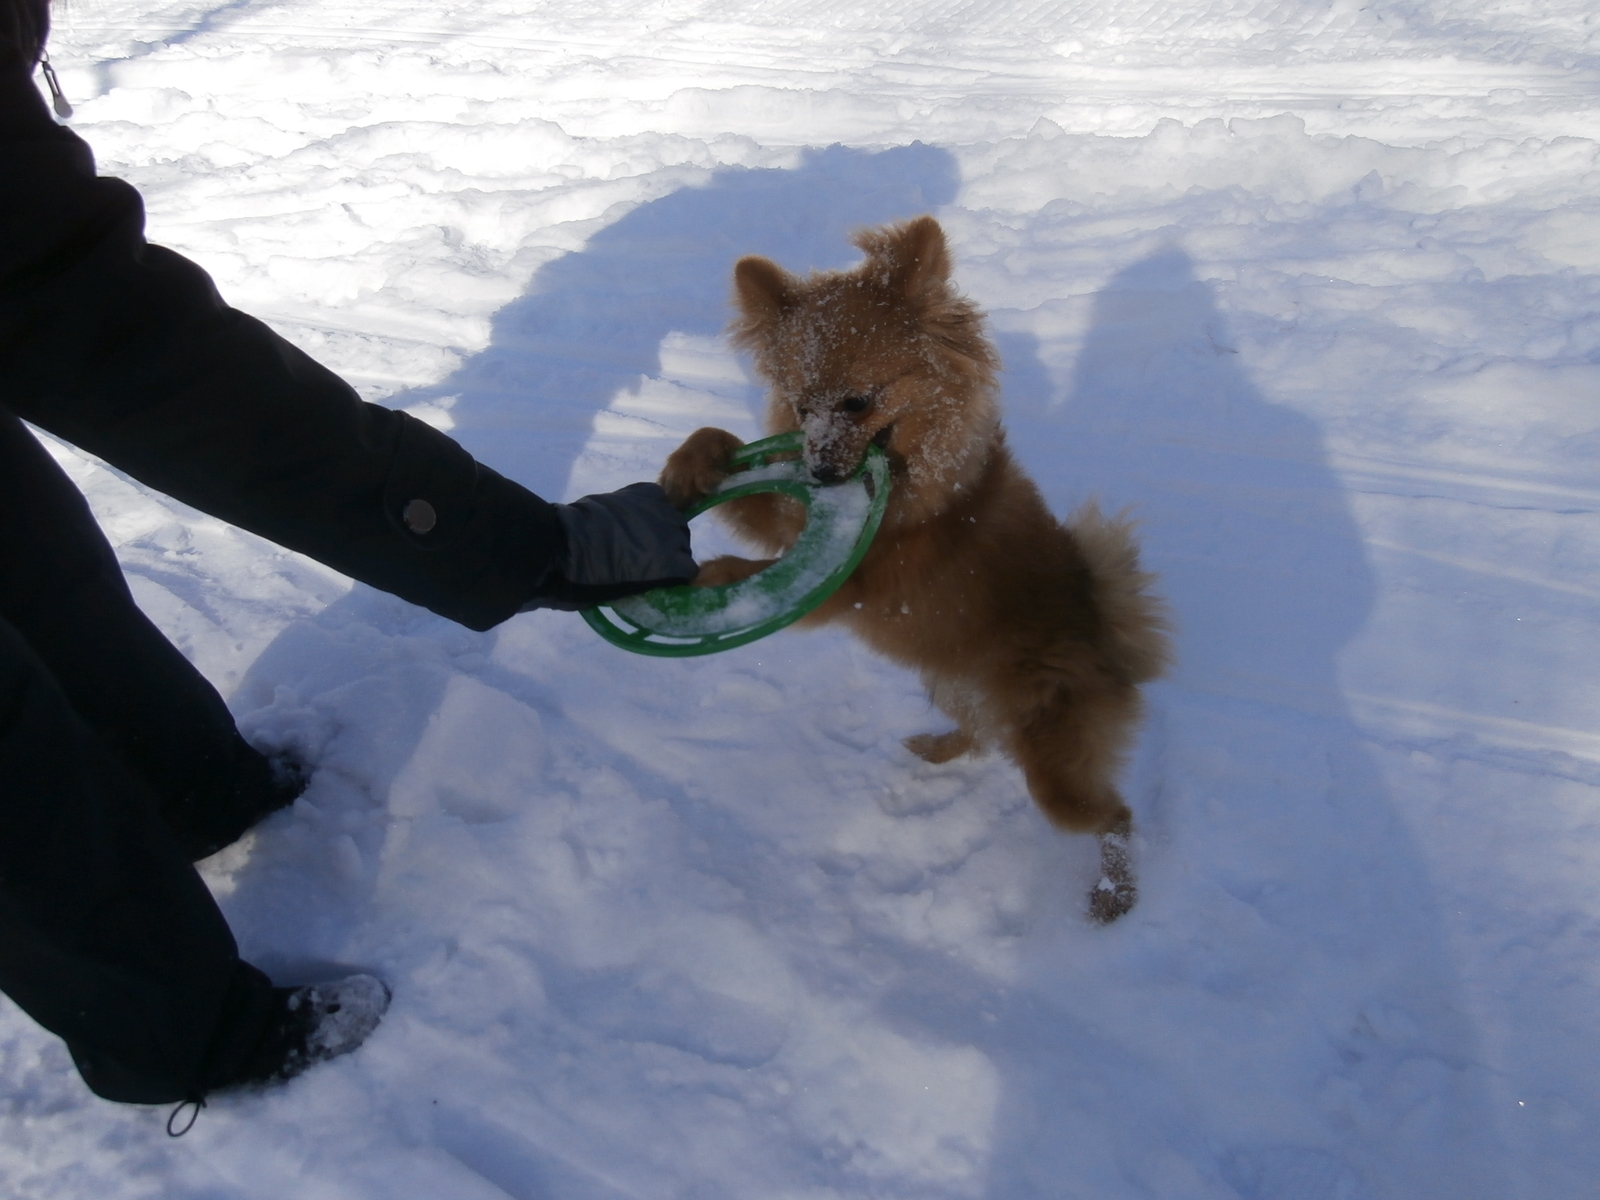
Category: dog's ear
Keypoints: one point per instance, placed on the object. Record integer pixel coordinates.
(762, 290)
(911, 259)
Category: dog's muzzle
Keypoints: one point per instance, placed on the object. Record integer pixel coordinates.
(828, 473)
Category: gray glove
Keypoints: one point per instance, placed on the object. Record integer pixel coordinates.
(618, 543)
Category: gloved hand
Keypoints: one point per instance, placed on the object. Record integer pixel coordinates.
(618, 543)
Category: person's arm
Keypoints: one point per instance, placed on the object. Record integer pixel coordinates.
(126, 350)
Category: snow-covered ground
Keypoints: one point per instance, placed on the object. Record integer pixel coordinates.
(1313, 284)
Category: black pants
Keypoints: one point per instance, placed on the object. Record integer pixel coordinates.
(119, 764)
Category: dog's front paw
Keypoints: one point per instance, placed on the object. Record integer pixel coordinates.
(729, 569)
(695, 468)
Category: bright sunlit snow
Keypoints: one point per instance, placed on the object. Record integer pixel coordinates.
(1314, 285)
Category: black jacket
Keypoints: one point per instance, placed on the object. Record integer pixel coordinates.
(126, 350)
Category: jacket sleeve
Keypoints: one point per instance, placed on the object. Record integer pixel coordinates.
(126, 350)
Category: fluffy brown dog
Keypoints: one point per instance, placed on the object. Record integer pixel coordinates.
(1031, 635)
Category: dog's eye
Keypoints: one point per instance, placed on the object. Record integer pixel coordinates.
(855, 404)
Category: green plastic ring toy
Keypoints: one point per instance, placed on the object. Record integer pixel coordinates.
(841, 519)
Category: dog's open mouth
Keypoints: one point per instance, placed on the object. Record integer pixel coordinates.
(881, 438)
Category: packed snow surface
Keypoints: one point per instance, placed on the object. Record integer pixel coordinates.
(1313, 285)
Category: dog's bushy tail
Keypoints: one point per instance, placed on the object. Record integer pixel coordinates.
(1135, 624)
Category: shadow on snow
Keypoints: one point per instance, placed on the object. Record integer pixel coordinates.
(1269, 837)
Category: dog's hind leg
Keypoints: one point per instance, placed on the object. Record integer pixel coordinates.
(1069, 751)
(1117, 891)
(963, 702)
(940, 747)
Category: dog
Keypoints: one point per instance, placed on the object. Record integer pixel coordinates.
(1031, 634)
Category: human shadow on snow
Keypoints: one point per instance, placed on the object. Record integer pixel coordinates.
(1257, 551)
(1287, 930)
(591, 323)
(589, 326)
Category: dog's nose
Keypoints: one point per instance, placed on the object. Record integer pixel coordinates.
(826, 473)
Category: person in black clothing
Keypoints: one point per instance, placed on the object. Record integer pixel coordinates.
(119, 764)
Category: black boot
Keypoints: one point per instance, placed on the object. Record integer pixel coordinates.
(312, 1024)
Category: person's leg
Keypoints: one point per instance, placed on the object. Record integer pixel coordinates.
(61, 588)
(108, 936)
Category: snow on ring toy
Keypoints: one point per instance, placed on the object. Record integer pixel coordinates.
(841, 519)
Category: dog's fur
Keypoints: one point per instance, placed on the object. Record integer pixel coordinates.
(1031, 634)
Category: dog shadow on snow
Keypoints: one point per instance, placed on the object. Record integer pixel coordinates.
(1280, 887)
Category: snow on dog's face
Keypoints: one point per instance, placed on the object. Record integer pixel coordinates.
(887, 353)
